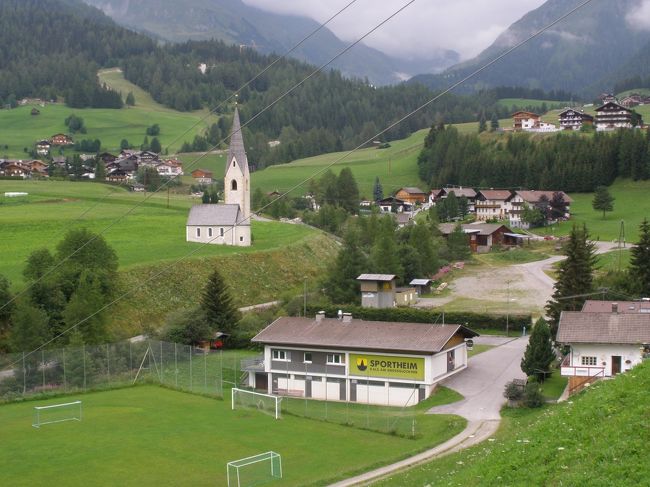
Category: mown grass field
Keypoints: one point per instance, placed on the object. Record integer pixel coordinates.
(153, 436)
(600, 437)
(22, 130)
(150, 234)
(631, 206)
(522, 102)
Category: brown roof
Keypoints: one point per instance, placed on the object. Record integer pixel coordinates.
(360, 335)
(495, 194)
(529, 114)
(478, 228)
(593, 306)
(581, 327)
(410, 190)
(533, 196)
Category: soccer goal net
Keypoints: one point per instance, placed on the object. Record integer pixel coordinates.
(255, 470)
(56, 413)
(266, 403)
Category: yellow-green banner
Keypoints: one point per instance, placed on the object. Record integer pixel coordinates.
(368, 365)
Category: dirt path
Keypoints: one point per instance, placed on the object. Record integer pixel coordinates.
(526, 285)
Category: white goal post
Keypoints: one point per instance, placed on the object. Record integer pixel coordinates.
(254, 470)
(56, 413)
(265, 403)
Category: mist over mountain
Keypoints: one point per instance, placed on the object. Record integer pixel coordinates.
(234, 22)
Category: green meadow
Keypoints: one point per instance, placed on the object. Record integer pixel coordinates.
(151, 436)
(152, 231)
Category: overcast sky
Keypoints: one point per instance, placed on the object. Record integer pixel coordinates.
(466, 26)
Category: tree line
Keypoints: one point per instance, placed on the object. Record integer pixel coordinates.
(570, 163)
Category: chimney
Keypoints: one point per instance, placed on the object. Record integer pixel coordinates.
(319, 316)
(614, 307)
(347, 317)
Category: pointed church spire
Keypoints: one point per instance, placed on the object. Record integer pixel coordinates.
(236, 148)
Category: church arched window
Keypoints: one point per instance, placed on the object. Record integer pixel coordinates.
(233, 185)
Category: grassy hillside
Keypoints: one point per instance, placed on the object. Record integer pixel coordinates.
(632, 205)
(21, 130)
(152, 233)
(600, 437)
(525, 102)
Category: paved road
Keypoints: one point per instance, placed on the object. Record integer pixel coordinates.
(483, 382)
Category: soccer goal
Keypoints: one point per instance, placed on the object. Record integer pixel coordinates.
(265, 403)
(255, 470)
(57, 413)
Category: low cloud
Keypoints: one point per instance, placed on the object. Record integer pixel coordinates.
(639, 16)
(422, 30)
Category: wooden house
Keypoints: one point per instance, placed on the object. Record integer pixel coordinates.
(411, 195)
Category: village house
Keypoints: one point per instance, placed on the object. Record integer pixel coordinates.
(522, 198)
(61, 139)
(170, 168)
(391, 204)
(602, 344)
(612, 116)
(43, 147)
(346, 359)
(433, 197)
(411, 195)
(459, 192)
(16, 169)
(492, 204)
(378, 290)
(228, 223)
(594, 306)
(523, 121)
(483, 236)
(202, 176)
(635, 99)
(574, 119)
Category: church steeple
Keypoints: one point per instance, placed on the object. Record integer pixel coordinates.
(237, 178)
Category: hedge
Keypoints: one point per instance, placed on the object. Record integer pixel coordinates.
(476, 321)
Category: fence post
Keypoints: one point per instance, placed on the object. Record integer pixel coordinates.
(175, 366)
(24, 376)
(83, 351)
(190, 347)
(162, 373)
(65, 384)
(108, 365)
(43, 366)
(205, 372)
(130, 360)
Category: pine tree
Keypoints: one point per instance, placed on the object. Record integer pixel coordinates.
(217, 303)
(348, 191)
(383, 256)
(377, 190)
(458, 244)
(422, 240)
(155, 146)
(575, 277)
(494, 123)
(539, 354)
(639, 271)
(341, 284)
(482, 123)
(130, 99)
(82, 310)
(100, 171)
(603, 200)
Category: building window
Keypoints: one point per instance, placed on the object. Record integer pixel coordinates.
(198, 232)
(221, 232)
(588, 361)
(233, 185)
(241, 239)
(280, 355)
(209, 232)
(307, 358)
(334, 359)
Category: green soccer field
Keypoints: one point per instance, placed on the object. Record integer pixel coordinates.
(149, 435)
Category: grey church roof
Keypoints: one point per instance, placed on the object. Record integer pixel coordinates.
(215, 215)
(236, 148)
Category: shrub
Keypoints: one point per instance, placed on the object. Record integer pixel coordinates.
(513, 391)
(533, 397)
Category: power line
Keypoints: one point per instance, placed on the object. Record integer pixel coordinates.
(421, 107)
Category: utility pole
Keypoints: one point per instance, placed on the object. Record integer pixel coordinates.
(508, 309)
(304, 294)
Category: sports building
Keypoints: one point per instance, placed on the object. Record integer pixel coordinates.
(346, 359)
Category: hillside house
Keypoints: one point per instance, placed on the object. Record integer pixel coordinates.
(531, 198)
(433, 196)
(483, 236)
(16, 169)
(392, 204)
(202, 176)
(468, 193)
(377, 290)
(602, 344)
(346, 359)
(61, 139)
(411, 195)
(492, 204)
(612, 116)
(170, 168)
(574, 119)
(523, 121)
(43, 147)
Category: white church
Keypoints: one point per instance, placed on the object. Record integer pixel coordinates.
(226, 223)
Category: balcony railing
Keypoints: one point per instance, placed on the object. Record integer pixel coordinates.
(253, 364)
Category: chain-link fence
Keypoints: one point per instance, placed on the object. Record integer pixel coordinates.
(75, 369)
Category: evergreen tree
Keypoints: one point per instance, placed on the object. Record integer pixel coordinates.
(557, 206)
(639, 271)
(130, 99)
(458, 244)
(217, 303)
(341, 284)
(410, 262)
(539, 354)
(482, 123)
(575, 276)
(603, 200)
(377, 190)
(100, 170)
(155, 146)
(494, 122)
(383, 255)
(421, 239)
(145, 143)
(348, 191)
(124, 144)
(83, 312)
(463, 206)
